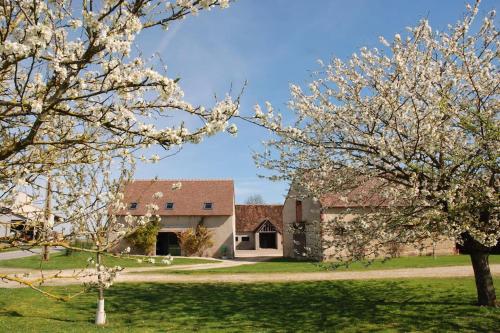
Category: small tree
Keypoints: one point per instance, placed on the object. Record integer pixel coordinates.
(89, 198)
(194, 241)
(421, 117)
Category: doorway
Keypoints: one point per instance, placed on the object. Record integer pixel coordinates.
(267, 236)
(267, 240)
(167, 243)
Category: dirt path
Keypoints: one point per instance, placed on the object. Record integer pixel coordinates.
(438, 272)
(452, 271)
(194, 267)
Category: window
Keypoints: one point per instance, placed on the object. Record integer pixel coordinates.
(133, 205)
(298, 211)
(236, 238)
(245, 239)
(208, 205)
(169, 205)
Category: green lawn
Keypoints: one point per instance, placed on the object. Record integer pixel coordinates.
(58, 260)
(283, 265)
(423, 305)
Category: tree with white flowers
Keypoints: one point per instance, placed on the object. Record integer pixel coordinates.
(420, 116)
(96, 197)
(73, 89)
(89, 197)
(78, 102)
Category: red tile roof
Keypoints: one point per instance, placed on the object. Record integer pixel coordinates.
(188, 200)
(250, 217)
(365, 195)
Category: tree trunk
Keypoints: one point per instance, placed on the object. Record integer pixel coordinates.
(100, 315)
(486, 295)
(45, 253)
(47, 213)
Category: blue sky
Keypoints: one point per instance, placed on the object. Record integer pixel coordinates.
(270, 44)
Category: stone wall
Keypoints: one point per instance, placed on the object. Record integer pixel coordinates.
(443, 246)
(311, 218)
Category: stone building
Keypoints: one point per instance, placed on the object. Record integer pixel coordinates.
(304, 219)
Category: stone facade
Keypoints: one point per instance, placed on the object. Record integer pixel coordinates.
(303, 237)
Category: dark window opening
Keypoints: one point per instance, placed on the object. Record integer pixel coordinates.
(167, 243)
(208, 205)
(267, 241)
(236, 238)
(245, 239)
(133, 205)
(298, 211)
(169, 205)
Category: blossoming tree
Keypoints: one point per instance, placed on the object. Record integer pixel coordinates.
(72, 85)
(89, 196)
(421, 117)
(76, 97)
(96, 196)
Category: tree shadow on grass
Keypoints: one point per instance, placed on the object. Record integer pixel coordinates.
(312, 306)
(385, 305)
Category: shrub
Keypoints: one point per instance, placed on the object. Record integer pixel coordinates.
(195, 240)
(144, 238)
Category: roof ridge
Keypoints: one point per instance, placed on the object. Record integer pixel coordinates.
(183, 179)
(274, 204)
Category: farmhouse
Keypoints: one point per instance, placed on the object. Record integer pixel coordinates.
(304, 219)
(294, 229)
(209, 203)
(206, 202)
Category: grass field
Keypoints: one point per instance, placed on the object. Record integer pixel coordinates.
(282, 265)
(58, 260)
(423, 305)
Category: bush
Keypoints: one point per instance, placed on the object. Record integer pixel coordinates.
(195, 240)
(144, 238)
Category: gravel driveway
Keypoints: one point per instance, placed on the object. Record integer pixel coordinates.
(430, 272)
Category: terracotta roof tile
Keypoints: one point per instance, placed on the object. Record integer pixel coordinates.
(365, 195)
(188, 200)
(250, 217)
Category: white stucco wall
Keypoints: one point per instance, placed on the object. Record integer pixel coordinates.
(4, 225)
(221, 227)
(245, 245)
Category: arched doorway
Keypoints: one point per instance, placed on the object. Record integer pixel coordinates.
(267, 236)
